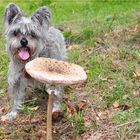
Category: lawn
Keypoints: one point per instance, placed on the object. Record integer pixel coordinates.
(104, 38)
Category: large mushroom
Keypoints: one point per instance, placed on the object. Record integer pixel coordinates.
(54, 72)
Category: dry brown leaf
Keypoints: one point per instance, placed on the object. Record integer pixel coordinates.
(94, 115)
(116, 104)
(104, 115)
(70, 108)
(3, 118)
(126, 106)
(81, 105)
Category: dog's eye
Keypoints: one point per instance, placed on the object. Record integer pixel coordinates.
(15, 33)
(33, 35)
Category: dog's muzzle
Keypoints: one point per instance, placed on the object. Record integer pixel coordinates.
(24, 50)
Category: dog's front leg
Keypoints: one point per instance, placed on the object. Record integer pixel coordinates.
(17, 97)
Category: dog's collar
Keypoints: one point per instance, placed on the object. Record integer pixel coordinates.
(25, 74)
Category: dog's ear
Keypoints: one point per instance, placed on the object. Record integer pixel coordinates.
(11, 12)
(42, 16)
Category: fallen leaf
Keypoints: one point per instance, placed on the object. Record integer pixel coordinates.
(116, 104)
(123, 107)
(70, 112)
(34, 108)
(70, 108)
(104, 115)
(80, 106)
(136, 73)
(3, 118)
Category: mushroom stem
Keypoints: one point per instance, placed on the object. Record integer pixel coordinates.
(49, 115)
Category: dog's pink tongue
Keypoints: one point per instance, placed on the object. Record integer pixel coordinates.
(23, 54)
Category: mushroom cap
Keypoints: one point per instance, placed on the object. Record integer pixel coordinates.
(54, 72)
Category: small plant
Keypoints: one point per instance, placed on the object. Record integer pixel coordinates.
(127, 122)
(74, 55)
(121, 117)
(97, 66)
(2, 91)
(129, 70)
(3, 63)
(1, 133)
(28, 111)
(78, 123)
(138, 127)
(119, 91)
(124, 53)
(94, 124)
(115, 94)
(63, 107)
(32, 103)
(135, 54)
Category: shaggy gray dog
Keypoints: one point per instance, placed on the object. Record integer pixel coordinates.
(28, 38)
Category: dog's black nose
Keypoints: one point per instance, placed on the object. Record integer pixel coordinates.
(23, 41)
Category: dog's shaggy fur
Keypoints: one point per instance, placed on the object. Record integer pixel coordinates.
(28, 38)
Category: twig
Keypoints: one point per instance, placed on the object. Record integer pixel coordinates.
(126, 123)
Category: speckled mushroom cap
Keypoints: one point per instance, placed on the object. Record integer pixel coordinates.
(54, 72)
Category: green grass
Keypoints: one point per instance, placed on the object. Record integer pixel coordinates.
(108, 50)
(1, 133)
(28, 111)
(78, 121)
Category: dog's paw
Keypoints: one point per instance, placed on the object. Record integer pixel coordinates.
(10, 116)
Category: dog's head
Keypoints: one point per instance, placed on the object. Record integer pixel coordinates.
(25, 34)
